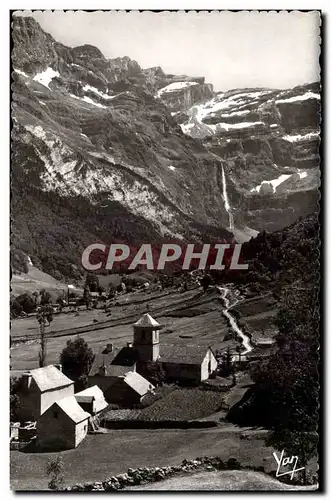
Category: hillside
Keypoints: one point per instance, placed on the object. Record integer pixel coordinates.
(103, 150)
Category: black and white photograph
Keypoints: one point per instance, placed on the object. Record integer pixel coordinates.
(165, 250)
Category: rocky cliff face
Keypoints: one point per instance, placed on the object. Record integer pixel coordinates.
(104, 150)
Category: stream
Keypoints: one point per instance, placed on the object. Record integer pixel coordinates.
(228, 303)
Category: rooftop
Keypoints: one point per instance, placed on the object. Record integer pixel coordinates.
(147, 320)
(138, 383)
(183, 354)
(70, 406)
(49, 377)
(117, 362)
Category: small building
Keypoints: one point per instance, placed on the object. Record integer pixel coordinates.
(128, 389)
(187, 363)
(91, 400)
(40, 388)
(62, 426)
(265, 342)
(110, 364)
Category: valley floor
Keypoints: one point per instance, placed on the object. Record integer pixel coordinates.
(104, 455)
(192, 317)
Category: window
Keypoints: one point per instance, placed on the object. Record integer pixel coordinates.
(85, 427)
(56, 414)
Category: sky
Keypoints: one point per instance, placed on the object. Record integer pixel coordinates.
(230, 49)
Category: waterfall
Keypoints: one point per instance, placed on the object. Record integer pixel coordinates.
(226, 201)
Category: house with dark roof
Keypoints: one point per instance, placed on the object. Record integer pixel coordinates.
(40, 388)
(63, 425)
(111, 363)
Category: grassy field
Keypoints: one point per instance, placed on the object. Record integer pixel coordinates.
(104, 455)
(178, 404)
(206, 327)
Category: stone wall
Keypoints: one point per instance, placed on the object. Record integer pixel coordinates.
(144, 475)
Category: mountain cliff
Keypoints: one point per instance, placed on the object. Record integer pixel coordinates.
(103, 150)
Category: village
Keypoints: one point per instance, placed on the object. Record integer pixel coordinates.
(157, 379)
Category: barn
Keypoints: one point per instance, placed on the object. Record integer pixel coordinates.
(40, 388)
(62, 426)
(91, 400)
(187, 363)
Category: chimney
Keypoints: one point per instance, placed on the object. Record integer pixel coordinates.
(109, 348)
(26, 380)
(129, 344)
(58, 366)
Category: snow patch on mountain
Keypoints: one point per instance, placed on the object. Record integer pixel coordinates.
(46, 77)
(302, 97)
(21, 73)
(235, 113)
(273, 182)
(97, 91)
(299, 138)
(229, 126)
(173, 87)
(88, 100)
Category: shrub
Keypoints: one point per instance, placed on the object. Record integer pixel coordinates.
(54, 471)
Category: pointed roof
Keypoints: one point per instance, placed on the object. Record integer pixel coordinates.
(147, 320)
(138, 383)
(74, 411)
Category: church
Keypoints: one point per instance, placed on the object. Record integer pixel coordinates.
(180, 363)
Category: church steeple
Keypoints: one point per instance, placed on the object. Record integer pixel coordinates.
(146, 338)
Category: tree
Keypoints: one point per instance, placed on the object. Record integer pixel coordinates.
(45, 297)
(154, 373)
(87, 297)
(76, 360)
(44, 314)
(55, 472)
(91, 282)
(206, 282)
(289, 379)
(15, 385)
(226, 363)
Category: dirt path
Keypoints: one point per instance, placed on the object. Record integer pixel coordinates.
(222, 481)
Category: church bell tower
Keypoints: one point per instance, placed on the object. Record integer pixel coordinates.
(146, 338)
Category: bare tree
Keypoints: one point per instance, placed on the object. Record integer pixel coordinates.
(44, 314)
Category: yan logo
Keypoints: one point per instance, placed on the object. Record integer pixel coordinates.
(284, 462)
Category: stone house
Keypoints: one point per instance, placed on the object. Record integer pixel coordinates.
(128, 389)
(63, 425)
(187, 363)
(40, 388)
(91, 400)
